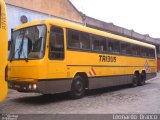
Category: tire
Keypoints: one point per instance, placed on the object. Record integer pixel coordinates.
(78, 88)
(142, 79)
(135, 80)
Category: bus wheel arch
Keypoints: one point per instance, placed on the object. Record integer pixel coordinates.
(78, 85)
(85, 78)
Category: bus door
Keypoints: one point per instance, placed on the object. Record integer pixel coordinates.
(57, 67)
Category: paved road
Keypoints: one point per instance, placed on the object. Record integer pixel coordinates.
(144, 99)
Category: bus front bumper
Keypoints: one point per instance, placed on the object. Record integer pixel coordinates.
(22, 86)
(41, 86)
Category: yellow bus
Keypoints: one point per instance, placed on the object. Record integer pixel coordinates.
(55, 56)
(3, 50)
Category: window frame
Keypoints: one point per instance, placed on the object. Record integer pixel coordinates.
(99, 42)
(45, 43)
(90, 40)
(114, 46)
(50, 43)
(107, 43)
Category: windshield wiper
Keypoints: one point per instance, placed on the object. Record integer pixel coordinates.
(12, 55)
(21, 47)
(14, 52)
(25, 58)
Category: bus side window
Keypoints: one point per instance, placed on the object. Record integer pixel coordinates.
(98, 43)
(103, 44)
(95, 43)
(110, 45)
(73, 39)
(151, 53)
(123, 47)
(129, 49)
(138, 50)
(114, 46)
(85, 41)
(143, 52)
(135, 50)
(56, 50)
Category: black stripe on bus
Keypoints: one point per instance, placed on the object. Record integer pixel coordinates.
(106, 66)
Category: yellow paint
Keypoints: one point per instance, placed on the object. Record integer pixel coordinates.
(77, 61)
(3, 51)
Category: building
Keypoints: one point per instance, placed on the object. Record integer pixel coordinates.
(21, 11)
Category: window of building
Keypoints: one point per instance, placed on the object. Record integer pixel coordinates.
(56, 49)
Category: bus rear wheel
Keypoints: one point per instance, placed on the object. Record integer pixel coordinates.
(77, 88)
(142, 79)
(135, 80)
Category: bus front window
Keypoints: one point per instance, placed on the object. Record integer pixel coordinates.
(28, 43)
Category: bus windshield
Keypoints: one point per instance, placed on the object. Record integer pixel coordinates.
(28, 43)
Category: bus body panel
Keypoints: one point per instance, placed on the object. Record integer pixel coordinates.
(27, 70)
(86, 61)
(3, 50)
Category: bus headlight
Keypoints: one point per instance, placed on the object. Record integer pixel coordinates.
(34, 86)
(30, 86)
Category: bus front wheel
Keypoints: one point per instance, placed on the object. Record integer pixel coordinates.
(77, 88)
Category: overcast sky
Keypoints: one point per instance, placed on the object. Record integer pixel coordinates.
(142, 16)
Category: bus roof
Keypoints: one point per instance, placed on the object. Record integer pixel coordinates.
(80, 27)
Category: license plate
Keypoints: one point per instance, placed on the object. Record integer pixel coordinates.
(17, 86)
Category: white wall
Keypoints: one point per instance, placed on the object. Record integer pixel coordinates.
(14, 13)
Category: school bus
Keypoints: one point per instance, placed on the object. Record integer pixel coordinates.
(54, 56)
(3, 50)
